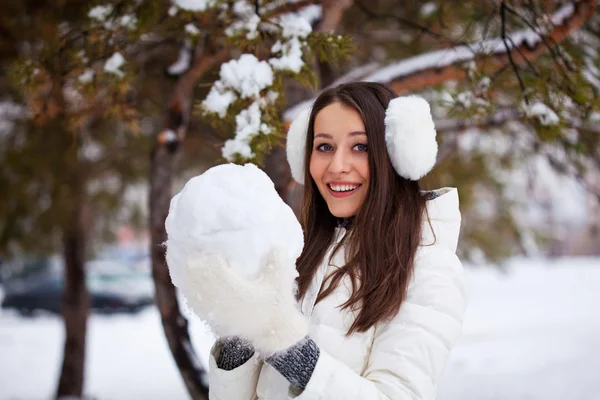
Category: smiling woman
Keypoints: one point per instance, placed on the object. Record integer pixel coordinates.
(380, 289)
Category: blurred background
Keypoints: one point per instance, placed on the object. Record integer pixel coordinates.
(108, 107)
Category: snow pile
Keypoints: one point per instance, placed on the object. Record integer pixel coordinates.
(235, 212)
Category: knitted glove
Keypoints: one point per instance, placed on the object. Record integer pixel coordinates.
(297, 363)
(234, 352)
(264, 310)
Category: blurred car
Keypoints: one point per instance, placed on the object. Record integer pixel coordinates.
(113, 288)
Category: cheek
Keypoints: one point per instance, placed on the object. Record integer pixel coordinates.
(316, 168)
(363, 168)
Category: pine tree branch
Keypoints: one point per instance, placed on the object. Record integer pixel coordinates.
(410, 24)
(439, 66)
(509, 53)
(499, 118)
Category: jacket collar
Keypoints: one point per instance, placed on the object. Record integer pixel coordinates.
(444, 220)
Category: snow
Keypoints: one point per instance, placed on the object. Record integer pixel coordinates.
(311, 13)
(183, 61)
(248, 124)
(542, 112)
(291, 58)
(194, 5)
(114, 63)
(294, 26)
(87, 76)
(247, 75)
(9, 113)
(192, 30)
(233, 211)
(530, 333)
(100, 13)
(247, 20)
(127, 357)
(219, 99)
(128, 21)
(428, 8)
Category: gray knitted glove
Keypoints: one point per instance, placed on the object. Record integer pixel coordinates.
(235, 351)
(297, 363)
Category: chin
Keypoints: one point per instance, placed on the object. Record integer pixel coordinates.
(342, 212)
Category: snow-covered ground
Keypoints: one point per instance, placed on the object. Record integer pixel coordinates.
(530, 333)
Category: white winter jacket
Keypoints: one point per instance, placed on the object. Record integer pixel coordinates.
(401, 359)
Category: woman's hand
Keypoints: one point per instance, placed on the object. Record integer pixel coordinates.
(263, 310)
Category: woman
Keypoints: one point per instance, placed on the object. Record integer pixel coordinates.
(378, 280)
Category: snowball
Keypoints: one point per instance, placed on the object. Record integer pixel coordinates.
(235, 212)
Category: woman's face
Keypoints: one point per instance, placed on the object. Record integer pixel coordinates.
(339, 163)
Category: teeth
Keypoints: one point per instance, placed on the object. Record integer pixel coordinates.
(343, 188)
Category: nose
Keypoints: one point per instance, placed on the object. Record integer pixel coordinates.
(340, 163)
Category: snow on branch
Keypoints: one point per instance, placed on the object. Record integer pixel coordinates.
(435, 67)
(252, 83)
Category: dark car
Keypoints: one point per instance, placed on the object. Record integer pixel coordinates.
(113, 288)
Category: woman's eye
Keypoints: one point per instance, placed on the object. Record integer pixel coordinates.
(324, 147)
(362, 147)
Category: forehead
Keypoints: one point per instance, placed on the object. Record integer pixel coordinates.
(337, 119)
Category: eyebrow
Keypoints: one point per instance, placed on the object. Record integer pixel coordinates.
(328, 136)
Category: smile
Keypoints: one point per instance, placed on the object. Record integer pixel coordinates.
(341, 191)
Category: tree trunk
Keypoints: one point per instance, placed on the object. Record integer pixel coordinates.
(75, 307)
(174, 324)
(162, 163)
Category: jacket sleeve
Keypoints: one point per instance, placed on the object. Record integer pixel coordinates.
(236, 384)
(410, 351)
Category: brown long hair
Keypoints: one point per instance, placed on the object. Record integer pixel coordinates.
(383, 237)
